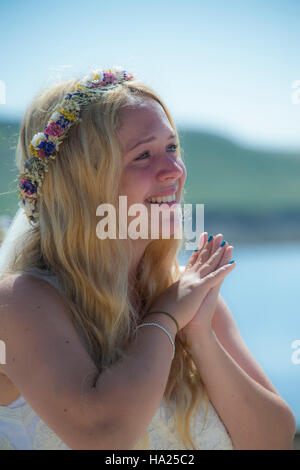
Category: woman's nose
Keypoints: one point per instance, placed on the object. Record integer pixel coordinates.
(171, 168)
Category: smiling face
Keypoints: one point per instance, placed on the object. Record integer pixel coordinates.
(153, 168)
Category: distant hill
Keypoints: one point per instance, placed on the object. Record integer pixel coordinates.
(9, 132)
(228, 178)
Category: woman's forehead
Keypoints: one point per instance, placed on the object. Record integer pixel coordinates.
(142, 108)
(141, 122)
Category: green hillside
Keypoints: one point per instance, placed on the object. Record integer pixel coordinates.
(220, 174)
(9, 132)
(224, 175)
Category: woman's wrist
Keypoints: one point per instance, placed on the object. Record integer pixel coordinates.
(197, 337)
(163, 320)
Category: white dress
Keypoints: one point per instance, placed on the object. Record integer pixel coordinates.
(22, 429)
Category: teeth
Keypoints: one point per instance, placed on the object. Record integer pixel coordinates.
(163, 199)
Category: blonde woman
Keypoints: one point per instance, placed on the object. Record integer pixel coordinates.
(108, 344)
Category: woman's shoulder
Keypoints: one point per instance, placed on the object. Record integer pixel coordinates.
(17, 286)
(22, 293)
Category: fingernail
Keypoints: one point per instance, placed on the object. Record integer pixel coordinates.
(232, 261)
(210, 238)
(223, 243)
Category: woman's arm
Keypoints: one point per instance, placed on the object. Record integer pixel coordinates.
(229, 336)
(48, 364)
(255, 416)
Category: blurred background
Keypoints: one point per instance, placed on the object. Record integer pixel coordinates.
(229, 73)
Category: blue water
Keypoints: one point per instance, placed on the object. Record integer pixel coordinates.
(263, 294)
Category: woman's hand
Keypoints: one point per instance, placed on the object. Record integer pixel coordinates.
(202, 320)
(184, 298)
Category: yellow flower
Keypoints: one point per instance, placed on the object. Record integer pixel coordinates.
(33, 151)
(69, 115)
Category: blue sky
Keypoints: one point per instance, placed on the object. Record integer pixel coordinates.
(222, 66)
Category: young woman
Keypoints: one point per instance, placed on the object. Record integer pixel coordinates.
(108, 344)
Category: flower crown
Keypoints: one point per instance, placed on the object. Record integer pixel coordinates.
(45, 145)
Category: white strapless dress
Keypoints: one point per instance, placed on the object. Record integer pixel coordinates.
(22, 429)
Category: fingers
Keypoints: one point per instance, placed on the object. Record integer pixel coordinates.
(205, 253)
(219, 275)
(211, 255)
(214, 261)
(217, 240)
(194, 256)
(192, 260)
(225, 259)
(227, 256)
(202, 240)
(209, 248)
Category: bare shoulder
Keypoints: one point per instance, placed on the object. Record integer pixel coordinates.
(15, 291)
(32, 306)
(45, 357)
(24, 297)
(15, 288)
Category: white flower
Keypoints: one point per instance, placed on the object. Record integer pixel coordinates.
(117, 70)
(99, 76)
(95, 76)
(37, 138)
(55, 116)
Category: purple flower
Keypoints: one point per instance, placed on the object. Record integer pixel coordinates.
(47, 147)
(27, 186)
(63, 122)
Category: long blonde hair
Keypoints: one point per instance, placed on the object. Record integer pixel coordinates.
(93, 274)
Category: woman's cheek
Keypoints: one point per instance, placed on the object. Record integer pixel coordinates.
(183, 176)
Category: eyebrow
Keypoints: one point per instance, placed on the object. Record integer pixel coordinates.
(149, 139)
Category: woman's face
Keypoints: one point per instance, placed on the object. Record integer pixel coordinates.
(153, 168)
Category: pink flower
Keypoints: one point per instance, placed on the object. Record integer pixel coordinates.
(108, 78)
(41, 153)
(53, 129)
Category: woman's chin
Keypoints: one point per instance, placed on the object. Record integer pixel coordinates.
(167, 228)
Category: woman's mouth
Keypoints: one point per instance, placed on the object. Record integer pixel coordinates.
(169, 200)
(170, 204)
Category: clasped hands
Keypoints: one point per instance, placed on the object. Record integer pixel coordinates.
(208, 250)
(192, 299)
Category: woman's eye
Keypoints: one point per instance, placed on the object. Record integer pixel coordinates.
(147, 153)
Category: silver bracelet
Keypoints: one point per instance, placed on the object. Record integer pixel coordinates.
(162, 328)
